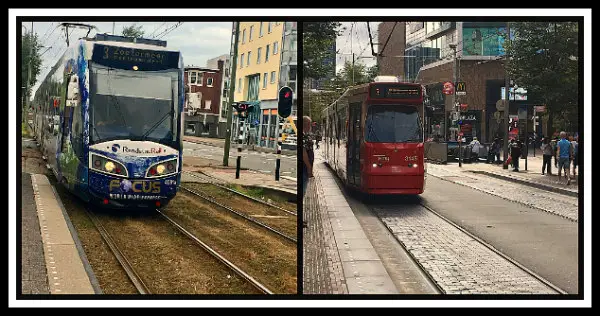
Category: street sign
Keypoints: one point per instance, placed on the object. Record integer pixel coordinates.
(540, 108)
(463, 107)
(461, 88)
(448, 88)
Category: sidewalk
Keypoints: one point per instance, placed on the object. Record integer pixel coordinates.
(338, 257)
(532, 176)
(220, 142)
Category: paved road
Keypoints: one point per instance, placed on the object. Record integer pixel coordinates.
(263, 162)
(545, 243)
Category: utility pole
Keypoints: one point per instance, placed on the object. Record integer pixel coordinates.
(507, 102)
(113, 32)
(453, 47)
(352, 68)
(231, 95)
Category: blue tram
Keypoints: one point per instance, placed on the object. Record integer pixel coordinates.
(108, 120)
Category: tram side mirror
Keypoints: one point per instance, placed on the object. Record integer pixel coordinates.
(73, 91)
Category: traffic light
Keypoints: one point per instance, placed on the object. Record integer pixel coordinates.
(286, 97)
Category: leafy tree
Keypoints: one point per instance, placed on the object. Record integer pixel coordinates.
(30, 57)
(133, 31)
(543, 59)
(319, 41)
(372, 72)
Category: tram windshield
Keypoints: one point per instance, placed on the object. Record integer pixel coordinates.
(393, 124)
(126, 104)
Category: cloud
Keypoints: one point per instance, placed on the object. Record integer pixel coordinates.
(197, 41)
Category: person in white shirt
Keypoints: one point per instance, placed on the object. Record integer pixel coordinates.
(475, 147)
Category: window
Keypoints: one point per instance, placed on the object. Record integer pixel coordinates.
(224, 93)
(260, 30)
(242, 61)
(265, 75)
(275, 48)
(239, 87)
(226, 72)
(270, 27)
(226, 85)
(244, 36)
(209, 82)
(200, 78)
(251, 31)
(207, 104)
(192, 77)
(258, 55)
(248, 61)
(272, 77)
(267, 53)
(292, 73)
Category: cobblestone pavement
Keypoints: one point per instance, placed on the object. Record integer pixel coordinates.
(322, 265)
(34, 279)
(558, 204)
(458, 263)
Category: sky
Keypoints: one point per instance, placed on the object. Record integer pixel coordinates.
(210, 39)
(357, 43)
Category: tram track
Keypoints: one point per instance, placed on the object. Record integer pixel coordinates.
(441, 254)
(134, 276)
(214, 181)
(249, 218)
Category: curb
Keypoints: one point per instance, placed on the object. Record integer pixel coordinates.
(86, 264)
(528, 183)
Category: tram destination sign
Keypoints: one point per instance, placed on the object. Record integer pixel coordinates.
(133, 58)
(395, 91)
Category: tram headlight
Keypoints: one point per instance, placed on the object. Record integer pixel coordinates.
(162, 168)
(107, 165)
(374, 165)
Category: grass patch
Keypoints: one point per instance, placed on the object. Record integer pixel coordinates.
(24, 130)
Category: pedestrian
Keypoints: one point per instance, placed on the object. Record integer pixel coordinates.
(317, 136)
(564, 151)
(308, 155)
(554, 143)
(575, 154)
(547, 158)
(515, 153)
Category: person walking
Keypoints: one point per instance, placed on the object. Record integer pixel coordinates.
(547, 155)
(575, 145)
(308, 155)
(564, 152)
(515, 153)
(475, 147)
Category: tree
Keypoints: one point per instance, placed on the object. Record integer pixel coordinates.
(543, 59)
(372, 72)
(30, 57)
(352, 76)
(133, 31)
(318, 48)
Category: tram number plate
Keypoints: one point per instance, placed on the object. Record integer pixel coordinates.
(383, 158)
(410, 158)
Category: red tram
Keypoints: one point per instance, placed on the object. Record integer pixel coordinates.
(373, 138)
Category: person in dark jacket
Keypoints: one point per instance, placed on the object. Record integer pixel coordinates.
(547, 152)
(515, 153)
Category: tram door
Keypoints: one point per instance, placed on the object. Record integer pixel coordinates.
(353, 153)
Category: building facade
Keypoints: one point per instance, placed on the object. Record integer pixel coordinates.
(390, 61)
(225, 81)
(202, 100)
(477, 61)
(266, 61)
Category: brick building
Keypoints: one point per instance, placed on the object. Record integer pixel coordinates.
(389, 63)
(202, 100)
